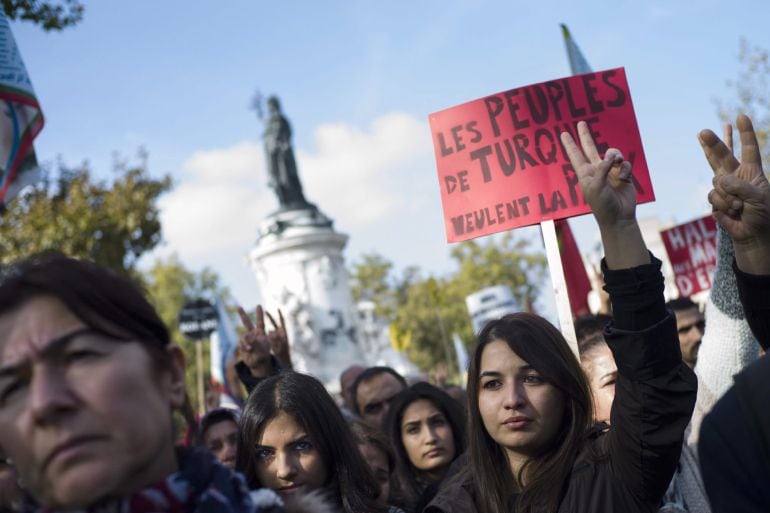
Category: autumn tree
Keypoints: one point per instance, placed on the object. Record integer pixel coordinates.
(425, 310)
(51, 15)
(112, 223)
(169, 286)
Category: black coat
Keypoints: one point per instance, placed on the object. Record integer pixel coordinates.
(734, 445)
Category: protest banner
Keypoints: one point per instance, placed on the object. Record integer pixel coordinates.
(692, 250)
(501, 164)
(21, 121)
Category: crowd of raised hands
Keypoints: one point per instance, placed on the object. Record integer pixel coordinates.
(89, 379)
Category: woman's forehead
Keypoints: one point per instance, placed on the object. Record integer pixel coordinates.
(281, 429)
(497, 355)
(28, 329)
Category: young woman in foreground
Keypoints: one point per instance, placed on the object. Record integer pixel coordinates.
(531, 446)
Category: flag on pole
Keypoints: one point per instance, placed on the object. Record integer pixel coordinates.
(20, 118)
(224, 341)
(577, 63)
(462, 354)
(578, 284)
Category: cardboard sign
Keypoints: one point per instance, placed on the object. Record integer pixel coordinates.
(501, 164)
(692, 250)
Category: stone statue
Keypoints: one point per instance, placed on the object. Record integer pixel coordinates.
(281, 165)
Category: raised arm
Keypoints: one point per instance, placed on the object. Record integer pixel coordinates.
(655, 391)
(736, 434)
(741, 203)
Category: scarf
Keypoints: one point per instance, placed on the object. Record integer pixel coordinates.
(201, 485)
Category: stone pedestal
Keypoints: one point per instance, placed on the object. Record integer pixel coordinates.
(300, 269)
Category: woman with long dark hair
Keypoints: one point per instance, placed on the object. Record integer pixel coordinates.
(531, 444)
(427, 431)
(293, 439)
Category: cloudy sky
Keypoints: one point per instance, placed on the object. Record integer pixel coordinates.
(358, 79)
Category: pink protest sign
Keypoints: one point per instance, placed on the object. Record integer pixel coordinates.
(692, 250)
(501, 164)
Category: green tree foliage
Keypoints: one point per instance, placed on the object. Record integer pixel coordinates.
(49, 15)
(370, 281)
(169, 286)
(752, 90)
(112, 224)
(426, 311)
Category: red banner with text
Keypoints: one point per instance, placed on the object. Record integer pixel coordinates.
(692, 250)
(501, 164)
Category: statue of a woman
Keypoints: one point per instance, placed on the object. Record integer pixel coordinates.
(280, 158)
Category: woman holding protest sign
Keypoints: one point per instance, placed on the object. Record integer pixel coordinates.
(531, 444)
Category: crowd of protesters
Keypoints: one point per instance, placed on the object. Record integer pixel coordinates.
(648, 418)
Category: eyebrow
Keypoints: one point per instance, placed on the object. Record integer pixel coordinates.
(497, 374)
(52, 347)
(300, 438)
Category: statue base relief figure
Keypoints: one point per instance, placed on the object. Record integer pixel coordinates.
(299, 265)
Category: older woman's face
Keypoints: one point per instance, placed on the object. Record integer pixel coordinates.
(83, 416)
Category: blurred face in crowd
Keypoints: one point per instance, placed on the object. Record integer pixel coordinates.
(374, 396)
(378, 463)
(347, 378)
(519, 409)
(427, 437)
(601, 371)
(83, 416)
(221, 439)
(690, 325)
(288, 460)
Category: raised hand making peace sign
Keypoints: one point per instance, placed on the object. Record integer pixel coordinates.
(608, 188)
(741, 195)
(256, 344)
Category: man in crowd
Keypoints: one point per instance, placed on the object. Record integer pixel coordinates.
(219, 434)
(690, 325)
(347, 379)
(373, 390)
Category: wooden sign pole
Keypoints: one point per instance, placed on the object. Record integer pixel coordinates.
(563, 309)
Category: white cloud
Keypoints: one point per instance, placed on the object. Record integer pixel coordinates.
(361, 176)
(217, 201)
(357, 176)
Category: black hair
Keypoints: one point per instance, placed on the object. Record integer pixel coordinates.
(370, 373)
(589, 330)
(681, 303)
(412, 482)
(306, 400)
(214, 417)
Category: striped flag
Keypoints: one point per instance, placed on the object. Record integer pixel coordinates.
(224, 341)
(578, 284)
(20, 118)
